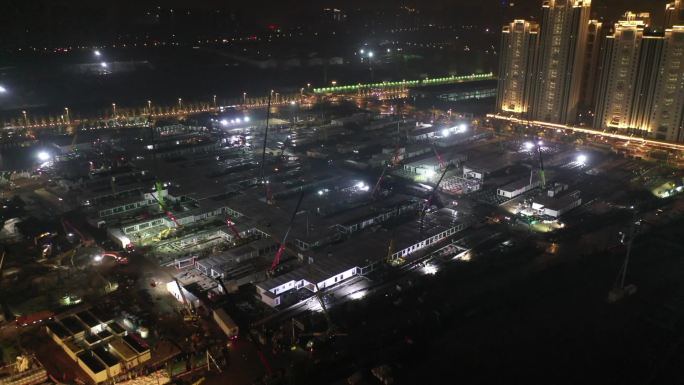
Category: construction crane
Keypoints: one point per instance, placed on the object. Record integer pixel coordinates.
(377, 185)
(231, 226)
(619, 289)
(439, 158)
(542, 176)
(281, 248)
(162, 206)
(428, 204)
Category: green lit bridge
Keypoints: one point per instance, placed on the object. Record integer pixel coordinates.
(404, 83)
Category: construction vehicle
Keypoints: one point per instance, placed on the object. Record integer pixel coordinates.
(281, 248)
(71, 229)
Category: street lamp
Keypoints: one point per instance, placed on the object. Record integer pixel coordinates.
(214, 101)
(25, 118)
(3, 90)
(180, 103)
(149, 106)
(114, 109)
(244, 98)
(97, 53)
(66, 113)
(370, 54)
(103, 65)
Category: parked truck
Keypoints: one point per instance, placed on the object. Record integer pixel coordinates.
(226, 323)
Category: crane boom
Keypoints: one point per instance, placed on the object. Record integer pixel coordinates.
(542, 176)
(231, 225)
(430, 198)
(439, 157)
(281, 248)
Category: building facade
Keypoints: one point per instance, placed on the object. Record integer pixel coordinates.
(674, 13)
(516, 67)
(562, 46)
(621, 67)
(667, 119)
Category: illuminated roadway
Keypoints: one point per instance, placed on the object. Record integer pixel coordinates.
(630, 140)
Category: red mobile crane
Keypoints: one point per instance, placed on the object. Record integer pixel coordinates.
(281, 248)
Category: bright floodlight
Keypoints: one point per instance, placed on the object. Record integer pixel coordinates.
(445, 132)
(3, 90)
(103, 65)
(463, 127)
(224, 122)
(320, 192)
(98, 258)
(357, 295)
(362, 52)
(246, 118)
(581, 159)
(430, 269)
(293, 102)
(528, 145)
(370, 54)
(238, 120)
(540, 143)
(43, 156)
(97, 53)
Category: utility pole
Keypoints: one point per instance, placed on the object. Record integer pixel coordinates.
(263, 152)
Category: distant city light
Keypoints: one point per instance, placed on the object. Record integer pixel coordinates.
(293, 102)
(238, 120)
(97, 53)
(224, 122)
(43, 156)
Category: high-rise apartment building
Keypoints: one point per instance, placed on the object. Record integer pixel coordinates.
(674, 13)
(667, 119)
(621, 67)
(595, 34)
(562, 46)
(516, 67)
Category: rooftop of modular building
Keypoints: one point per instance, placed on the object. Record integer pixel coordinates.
(72, 324)
(520, 183)
(57, 329)
(365, 248)
(558, 203)
(491, 163)
(123, 349)
(133, 342)
(88, 318)
(91, 362)
(103, 354)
